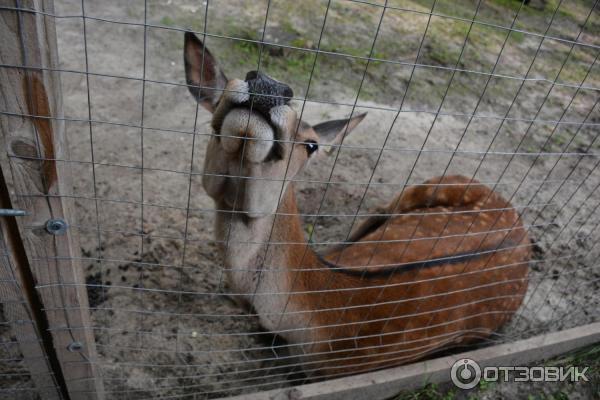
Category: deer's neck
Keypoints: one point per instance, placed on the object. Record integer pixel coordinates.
(259, 255)
(257, 252)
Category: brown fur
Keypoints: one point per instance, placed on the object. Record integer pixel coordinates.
(454, 303)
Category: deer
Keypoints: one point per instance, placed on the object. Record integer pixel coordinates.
(444, 264)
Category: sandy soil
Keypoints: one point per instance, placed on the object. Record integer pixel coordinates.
(181, 335)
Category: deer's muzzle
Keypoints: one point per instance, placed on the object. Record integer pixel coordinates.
(239, 126)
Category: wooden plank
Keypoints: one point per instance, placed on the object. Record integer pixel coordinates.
(20, 320)
(32, 135)
(387, 383)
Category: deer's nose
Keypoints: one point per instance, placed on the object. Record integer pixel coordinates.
(266, 92)
(251, 75)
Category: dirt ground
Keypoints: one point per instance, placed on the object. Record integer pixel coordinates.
(162, 323)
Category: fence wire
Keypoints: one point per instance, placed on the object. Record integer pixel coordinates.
(505, 93)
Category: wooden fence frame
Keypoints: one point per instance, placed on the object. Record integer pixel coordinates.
(50, 314)
(32, 139)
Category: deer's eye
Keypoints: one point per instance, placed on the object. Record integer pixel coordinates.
(311, 146)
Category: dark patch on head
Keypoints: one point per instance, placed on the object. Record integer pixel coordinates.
(276, 153)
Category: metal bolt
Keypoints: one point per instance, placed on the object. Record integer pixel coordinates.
(75, 346)
(56, 226)
(9, 212)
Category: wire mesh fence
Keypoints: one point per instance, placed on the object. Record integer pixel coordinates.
(505, 92)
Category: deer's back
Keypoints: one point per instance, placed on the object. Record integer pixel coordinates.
(437, 277)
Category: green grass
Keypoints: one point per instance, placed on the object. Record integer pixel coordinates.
(167, 21)
(587, 356)
(562, 11)
(350, 28)
(513, 5)
(429, 392)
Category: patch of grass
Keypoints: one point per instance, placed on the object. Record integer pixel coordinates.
(429, 392)
(517, 37)
(301, 42)
(349, 13)
(167, 21)
(441, 55)
(562, 11)
(513, 5)
(352, 51)
(438, 51)
(293, 67)
(461, 9)
(585, 357)
(350, 28)
(536, 8)
(558, 395)
(485, 385)
(558, 140)
(288, 27)
(300, 64)
(574, 73)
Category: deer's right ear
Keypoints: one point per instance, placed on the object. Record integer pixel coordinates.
(202, 73)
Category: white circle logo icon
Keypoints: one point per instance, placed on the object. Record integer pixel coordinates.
(465, 373)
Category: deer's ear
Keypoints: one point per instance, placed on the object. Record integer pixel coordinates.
(333, 132)
(205, 79)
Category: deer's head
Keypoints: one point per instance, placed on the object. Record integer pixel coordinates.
(259, 143)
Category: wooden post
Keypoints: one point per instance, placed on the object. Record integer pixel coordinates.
(32, 137)
(19, 317)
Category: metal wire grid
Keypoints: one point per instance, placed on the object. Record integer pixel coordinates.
(248, 374)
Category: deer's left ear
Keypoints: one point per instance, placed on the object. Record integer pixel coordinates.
(205, 79)
(333, 132)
